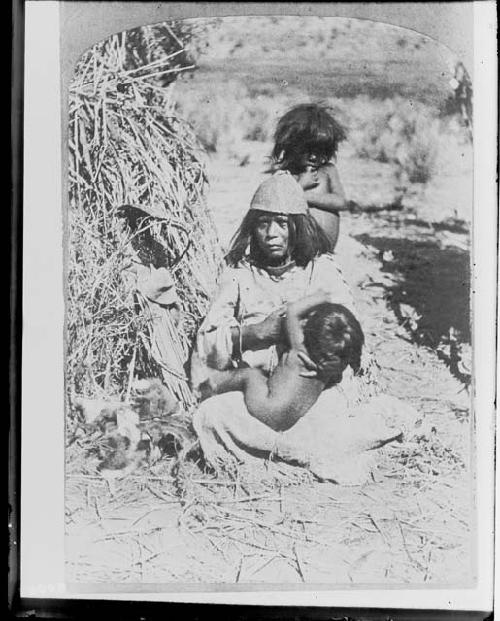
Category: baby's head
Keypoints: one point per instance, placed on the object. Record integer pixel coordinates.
(334, 340)
(307, 134)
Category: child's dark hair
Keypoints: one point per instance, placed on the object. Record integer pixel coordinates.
(334, 339)
(306, 129)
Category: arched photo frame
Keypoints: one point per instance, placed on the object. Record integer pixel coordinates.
(79, 25)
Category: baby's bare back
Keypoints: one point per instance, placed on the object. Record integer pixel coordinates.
(287, 395)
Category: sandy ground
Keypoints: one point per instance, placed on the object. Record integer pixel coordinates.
(412, 524)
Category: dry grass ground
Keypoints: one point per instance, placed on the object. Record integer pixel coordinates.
(411, 524)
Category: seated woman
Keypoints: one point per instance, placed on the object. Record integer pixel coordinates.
(331, 337)
(278, 255)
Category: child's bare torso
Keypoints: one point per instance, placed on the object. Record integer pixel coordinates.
(295, 394)
(327, 220)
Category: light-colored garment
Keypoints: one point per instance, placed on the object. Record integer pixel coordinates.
(335, 441)
(248, 294)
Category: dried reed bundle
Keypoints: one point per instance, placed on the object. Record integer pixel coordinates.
(126, 146)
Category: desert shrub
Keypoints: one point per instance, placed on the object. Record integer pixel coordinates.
(215, 114)
(259, 119)
(224, 114)
(408, 134)
(261, 116)
(399, 131)
(418, 156)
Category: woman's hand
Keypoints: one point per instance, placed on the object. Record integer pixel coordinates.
(260, 335)
(270, 330)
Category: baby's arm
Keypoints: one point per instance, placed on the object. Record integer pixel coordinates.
(297, 311)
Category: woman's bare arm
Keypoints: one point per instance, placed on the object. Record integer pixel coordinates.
(259, 335)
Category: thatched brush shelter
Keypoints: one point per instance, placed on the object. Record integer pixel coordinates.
(142, 253)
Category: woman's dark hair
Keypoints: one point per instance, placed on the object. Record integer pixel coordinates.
(334, 339)
(306, 239)
(306, 129)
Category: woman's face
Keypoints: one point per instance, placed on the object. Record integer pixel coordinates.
(271, 236)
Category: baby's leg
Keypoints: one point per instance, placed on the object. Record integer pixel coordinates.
(231, 380)
(261, 403)
(244, 380)
(206, 381)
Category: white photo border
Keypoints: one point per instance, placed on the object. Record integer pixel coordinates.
(42, 428)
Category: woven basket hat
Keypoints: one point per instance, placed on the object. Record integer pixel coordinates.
(280, 194)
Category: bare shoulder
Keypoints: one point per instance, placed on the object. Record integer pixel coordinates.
(329, 168)
(329, 174)
(330, 171)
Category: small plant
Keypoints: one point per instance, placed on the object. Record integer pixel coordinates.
(418, 157)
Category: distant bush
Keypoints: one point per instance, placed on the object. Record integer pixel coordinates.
(399, 131)
(215, 114)
(224, 115)
(406, 133)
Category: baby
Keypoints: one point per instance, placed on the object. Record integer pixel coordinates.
(323, 339)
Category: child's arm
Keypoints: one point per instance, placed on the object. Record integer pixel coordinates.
(329, 195)
(327, 202)
(296, 311)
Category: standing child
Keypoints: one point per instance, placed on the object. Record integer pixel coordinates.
(305, 143)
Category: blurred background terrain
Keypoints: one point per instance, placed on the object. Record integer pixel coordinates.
(409, 142)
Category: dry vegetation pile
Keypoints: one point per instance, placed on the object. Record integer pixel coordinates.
(127, 147)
